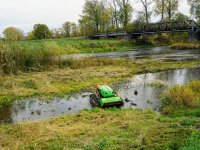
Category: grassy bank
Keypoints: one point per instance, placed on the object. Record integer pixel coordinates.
(77, 76)
(40, 55)
(103, 129)
(185, 46)
(89, 46)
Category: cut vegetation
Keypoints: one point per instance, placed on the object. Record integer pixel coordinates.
(77, 76)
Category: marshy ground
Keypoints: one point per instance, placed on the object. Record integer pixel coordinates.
(177, 127)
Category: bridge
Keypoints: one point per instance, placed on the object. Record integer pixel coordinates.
(160, 27)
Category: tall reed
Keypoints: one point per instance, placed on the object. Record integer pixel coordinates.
(180, 96)
(15, 56)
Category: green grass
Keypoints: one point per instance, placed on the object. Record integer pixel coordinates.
(112, 128)
(193, 141)
(89, 46)
(100, 129)
(84, 46)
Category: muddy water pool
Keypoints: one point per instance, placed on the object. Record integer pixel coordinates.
(150, 88)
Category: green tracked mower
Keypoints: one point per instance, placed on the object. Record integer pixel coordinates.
(105, 97)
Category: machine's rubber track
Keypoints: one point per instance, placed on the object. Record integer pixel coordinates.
(94, 101)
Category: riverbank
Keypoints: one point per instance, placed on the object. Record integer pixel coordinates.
(104, 129)
(90, 46)
(29, 56)
(77, 76)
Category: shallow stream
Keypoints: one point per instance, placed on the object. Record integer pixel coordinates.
(163, 53)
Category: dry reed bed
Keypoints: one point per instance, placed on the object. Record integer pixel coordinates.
(185, 46)
(182, 98)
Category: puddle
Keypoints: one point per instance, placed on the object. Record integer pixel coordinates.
(147, 97)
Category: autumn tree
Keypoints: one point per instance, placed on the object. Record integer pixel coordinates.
(160, 7)
(75, 30)
(30, 36)
(92, 9)
(67, 27)
(85, 25)
(57, 32)
(82, 26)
(105, 17)
(146, 4)
(114, 14)
(140, 18)
(171, 8)
(125, 12)
(196, 8)
(180, 16)
(13, 34)
(41, 31)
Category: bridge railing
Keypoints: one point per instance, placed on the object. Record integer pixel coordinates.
(117, 33)
(110, 34)
(99, 35)
(168, 26)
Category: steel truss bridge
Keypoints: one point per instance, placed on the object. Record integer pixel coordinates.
(160, 27)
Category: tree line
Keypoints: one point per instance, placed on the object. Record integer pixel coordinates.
(108, 16)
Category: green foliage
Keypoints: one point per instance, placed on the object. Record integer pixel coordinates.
(67, 26)
(196, 8)
(30, 84)
(41, 31)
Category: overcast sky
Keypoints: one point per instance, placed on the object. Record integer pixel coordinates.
(24, 14)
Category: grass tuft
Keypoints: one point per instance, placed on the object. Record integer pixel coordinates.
(180, 98)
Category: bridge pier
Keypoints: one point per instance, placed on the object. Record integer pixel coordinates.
(194, 36)
(95, 38)
(130, 36)
(136, 36)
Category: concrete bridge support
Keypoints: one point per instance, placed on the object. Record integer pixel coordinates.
(194, 36)
(136, 36)
(130, 36)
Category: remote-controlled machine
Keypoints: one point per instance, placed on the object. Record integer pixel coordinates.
(105, 96)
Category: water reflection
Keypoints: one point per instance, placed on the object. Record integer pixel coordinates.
(163, 53)
(147, 97)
